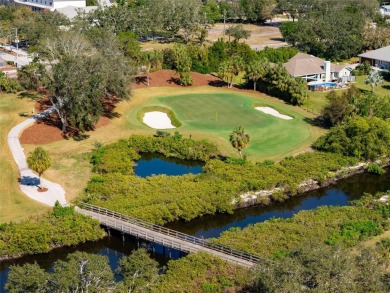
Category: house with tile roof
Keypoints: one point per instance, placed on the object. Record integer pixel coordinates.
(312, 68)
(378, 58)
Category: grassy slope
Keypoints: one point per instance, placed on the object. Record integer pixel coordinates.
(14, 205)
(213, 113)
(382, 89)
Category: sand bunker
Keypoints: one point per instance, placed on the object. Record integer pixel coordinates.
(158, 120)
(273, 112)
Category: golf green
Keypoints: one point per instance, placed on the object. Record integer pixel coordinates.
(217, 114)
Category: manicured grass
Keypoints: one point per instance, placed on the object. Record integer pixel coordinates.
(215, 115)
(14, 205)
(382, 89)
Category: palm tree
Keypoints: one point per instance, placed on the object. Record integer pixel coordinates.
(39, 161)
(374, 79)
(151, 60)
(230, 68)
(257, 70)
(226, 72)
(239, 139)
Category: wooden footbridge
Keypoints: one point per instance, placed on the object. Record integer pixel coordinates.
(164, 236)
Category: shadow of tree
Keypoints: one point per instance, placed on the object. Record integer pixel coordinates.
(318, 121)
(217, 83)
(29, 95)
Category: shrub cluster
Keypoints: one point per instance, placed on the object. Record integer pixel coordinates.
(331, 225)
(62, 227)
(360, 137)
(161, 199)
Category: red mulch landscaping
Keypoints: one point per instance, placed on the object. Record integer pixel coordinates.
(49, 130)
(165, 77)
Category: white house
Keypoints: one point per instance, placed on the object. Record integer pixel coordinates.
(378, 58)
(38, 5)
(313, 68)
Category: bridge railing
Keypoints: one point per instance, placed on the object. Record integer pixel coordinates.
(172, 233)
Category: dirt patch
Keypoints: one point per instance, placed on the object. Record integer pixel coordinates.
(261, 35)
(168, 78)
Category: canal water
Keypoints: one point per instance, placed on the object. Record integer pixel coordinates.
(114, 247)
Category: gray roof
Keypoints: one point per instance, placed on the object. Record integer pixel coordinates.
(71, 11)
(382, 54)
(305, 64)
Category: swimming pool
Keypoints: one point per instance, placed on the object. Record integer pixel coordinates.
(323, 85)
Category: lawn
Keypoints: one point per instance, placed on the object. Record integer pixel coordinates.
(382, 89)
(214, 115)
(14, 205)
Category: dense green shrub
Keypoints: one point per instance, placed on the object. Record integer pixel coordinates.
(332, 225)
(375, 169)
(161, 199)
(9, 85)
(361, 137)
(278, 55)
(138, 272)
(201, 271)
(41, 234)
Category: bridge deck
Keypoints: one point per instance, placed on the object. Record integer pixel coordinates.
(167, 237)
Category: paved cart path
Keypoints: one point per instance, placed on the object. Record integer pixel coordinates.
(28, 179)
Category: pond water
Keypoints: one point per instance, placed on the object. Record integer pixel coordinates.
(114, 247)
(155, 164)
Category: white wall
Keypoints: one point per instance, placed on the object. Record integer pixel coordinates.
(75, 3)
(344, 72)
(52, 4)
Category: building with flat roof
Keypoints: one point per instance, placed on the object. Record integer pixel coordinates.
(39, 5)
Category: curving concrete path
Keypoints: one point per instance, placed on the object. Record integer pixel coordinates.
(29, 180)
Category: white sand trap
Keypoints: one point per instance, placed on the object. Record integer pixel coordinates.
(158, 120)
(273, 112)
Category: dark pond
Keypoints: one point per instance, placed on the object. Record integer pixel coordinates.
(156, 164)
(338, 194)
(211, 226)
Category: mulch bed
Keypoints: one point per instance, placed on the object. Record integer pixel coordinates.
(49, 129)
(168, 78)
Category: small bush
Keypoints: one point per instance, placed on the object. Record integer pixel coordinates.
(162, 133)
(375, 169)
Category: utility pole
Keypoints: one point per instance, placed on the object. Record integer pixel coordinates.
(224, 23)
(17, 46)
